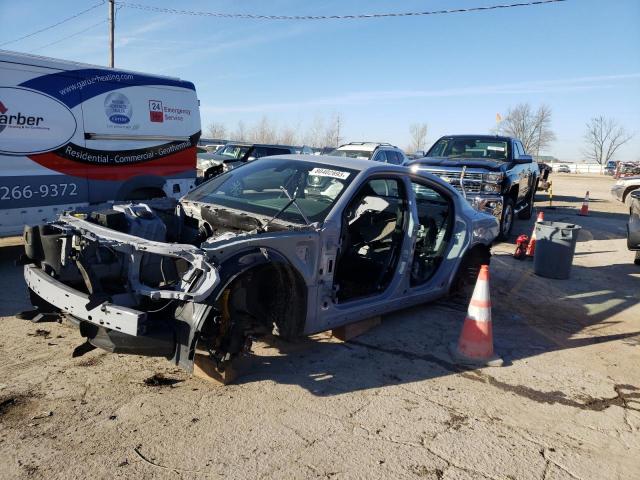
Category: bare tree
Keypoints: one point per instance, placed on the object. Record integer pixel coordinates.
(288, 136)
(263, 132)
(240, 133)
(217, 131)
(314, 136)
(418, 133)
(331, 137)
(533, 129)
(603, 138)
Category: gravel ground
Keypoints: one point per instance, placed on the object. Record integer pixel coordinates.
(388, 404)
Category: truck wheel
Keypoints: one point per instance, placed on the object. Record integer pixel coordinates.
(506, 222)
(528, 212)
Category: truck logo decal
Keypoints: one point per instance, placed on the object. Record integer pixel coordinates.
(33, 122)
(118, 108)
(155, 111)
(77, 86)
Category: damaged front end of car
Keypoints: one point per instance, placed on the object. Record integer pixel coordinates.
(127, 293)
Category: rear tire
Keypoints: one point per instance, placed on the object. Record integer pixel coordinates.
(469, 269)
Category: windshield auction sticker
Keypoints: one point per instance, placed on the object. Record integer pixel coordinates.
(326, 172)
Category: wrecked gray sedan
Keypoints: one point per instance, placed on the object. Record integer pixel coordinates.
(287, 245)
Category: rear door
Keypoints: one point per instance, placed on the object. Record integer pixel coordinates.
(374, 225)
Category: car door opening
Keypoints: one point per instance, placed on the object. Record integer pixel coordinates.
(372, 233)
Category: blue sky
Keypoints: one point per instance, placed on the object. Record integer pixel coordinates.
(455, 72)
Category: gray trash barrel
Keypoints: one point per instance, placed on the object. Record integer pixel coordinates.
(555, 246)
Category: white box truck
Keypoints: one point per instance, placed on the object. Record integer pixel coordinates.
(73, 134)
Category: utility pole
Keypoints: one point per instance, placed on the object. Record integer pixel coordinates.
(111, 31)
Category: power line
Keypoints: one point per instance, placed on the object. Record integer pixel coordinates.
(251, 16)
(69, 36)
(52, 26)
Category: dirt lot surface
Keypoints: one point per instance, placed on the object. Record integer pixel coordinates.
(389, 404)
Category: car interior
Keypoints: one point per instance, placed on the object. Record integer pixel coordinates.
(435, 215)
(372, 234)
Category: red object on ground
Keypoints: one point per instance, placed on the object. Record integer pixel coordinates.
(521, 247)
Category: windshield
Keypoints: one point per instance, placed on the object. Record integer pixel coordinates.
(255, 188)
(470, 147)
(352, 154)
(233, 151)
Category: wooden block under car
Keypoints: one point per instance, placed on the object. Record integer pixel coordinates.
(353, 330)
(205, 368)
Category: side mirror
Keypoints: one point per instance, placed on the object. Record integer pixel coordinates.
(524, 159)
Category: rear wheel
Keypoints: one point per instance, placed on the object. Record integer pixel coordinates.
(469, 269)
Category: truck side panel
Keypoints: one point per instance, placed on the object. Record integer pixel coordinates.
(99, 134)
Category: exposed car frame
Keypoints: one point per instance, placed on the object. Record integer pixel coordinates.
(238, 284)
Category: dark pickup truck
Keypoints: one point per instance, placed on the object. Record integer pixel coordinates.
(493, 173)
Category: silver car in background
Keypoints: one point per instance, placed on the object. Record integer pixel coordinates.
(291, 245)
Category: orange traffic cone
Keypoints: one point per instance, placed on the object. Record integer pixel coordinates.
(475, 345)
(584, 211)
(531, 247)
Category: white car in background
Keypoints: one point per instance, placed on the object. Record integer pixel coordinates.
(378, 152)
(623, 187)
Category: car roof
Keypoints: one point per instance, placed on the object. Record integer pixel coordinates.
(367, 146)
(249, 144)
(346, 162)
